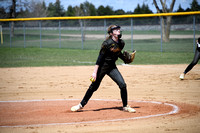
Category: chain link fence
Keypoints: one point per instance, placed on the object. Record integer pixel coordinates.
(142, 34)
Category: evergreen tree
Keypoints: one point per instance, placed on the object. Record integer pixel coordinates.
(59, 9)
(109, 10)
(145, 9)
(180, 9)
(195, 6)
(119, 12)
(101, 10)
(70, 11)
(50, 10)
(142, 10)
(88, 9)
(137, 9)
(56, 9)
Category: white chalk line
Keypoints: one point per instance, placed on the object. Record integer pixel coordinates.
(174, 111)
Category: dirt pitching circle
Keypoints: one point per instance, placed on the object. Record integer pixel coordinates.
(57, 112)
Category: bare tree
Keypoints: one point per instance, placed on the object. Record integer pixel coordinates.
(37, 9)
(166, 23)
(79, 12)
(85, 9)
(13, 8)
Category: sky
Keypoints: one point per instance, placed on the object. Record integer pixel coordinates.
(126, 5)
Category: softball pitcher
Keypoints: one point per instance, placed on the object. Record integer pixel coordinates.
(111, 49)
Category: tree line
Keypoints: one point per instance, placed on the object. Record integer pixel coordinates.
(25, 9)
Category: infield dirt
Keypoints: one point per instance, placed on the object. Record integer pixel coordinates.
(144, 82)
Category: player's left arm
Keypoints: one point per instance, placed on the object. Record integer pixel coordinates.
(128, 57)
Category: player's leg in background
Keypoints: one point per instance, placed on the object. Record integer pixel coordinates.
(192, 64)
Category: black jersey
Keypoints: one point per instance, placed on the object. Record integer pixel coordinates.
(110, 51)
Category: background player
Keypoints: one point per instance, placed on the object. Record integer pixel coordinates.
(194, 62)
(105, 64)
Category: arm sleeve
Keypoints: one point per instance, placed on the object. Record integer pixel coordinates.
(102, 53)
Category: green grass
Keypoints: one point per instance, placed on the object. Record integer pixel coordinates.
(50, 39)
(19, 57)
(28, 57)
(177, 51)
(151, 45)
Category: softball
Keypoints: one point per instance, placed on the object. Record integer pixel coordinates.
(92, 79)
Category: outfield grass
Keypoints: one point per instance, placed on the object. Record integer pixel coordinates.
(28, 57)
(69, 51)
(51, 39)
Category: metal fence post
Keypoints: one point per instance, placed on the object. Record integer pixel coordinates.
(24, 35)
(105, 31)
(161, 49)
(81, 33)
(40, 25)
(131, 34)
(10, 35)
(59, 36)
(1, 34)
(194, 28)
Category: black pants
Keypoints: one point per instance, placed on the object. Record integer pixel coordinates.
(115, 75)
(194, 62)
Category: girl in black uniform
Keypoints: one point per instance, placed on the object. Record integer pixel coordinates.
(194, 62)
(105, 64)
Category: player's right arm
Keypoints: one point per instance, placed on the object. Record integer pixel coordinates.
(100, 59)
(94, 74)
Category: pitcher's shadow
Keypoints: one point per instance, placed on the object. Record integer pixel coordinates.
(108, 108)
